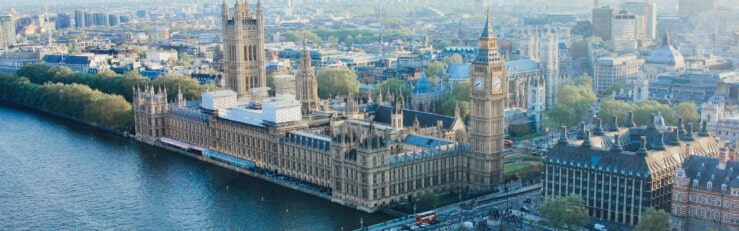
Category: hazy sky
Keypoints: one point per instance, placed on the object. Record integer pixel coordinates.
(25, 6)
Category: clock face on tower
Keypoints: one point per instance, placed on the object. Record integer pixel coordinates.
(497, 83)
(478, 84)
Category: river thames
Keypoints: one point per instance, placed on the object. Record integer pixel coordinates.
(60, 175)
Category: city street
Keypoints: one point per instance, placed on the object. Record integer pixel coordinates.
(509, 205)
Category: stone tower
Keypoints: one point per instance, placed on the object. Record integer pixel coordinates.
(487, 102)
(306, 84)
(150, 109)
(549, 61)
(243, 48)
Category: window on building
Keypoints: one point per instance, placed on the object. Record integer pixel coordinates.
(710, 186)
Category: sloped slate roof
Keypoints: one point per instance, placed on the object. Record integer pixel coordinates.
(425, 119)
(423, 85)
(709, 172)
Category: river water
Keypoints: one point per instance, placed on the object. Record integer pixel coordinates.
(60, 175)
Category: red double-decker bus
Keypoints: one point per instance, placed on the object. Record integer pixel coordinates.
(425, 217)
(508, 143)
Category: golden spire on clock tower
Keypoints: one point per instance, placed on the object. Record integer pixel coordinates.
(487, 121)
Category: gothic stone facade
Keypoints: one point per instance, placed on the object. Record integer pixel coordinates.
(243, 48)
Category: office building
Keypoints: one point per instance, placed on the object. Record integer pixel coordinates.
(602, 18)
(646, 10)
(7, 31)
(615, 69)
(79, 19)
(621, 171)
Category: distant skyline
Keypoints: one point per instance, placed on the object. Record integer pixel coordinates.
(25, 5)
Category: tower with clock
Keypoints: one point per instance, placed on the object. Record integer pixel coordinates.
(487, 121)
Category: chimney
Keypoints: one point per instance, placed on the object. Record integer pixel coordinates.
(680, 126)
(616, 144)
(599, 127)
(689, 135)
(563, 137)
(642, 147)
(586, 142)
(660, 142)
(581, 134)
(675, 140)
(704, 130)
(614, 123)
(630, 120)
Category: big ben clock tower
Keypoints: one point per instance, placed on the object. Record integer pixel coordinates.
(487, 102)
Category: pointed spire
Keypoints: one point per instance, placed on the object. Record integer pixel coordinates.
(379, 96)
(238, 9)
(457, 112)
(488, 30)
(224, 10)
(247, 9)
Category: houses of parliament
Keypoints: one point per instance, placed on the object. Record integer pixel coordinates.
(363, 156)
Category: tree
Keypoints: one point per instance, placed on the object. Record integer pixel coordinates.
(610, 107)
(443, 44)
(456, 58)
(433, 68)
(616, 87)
(584, 80)
(271, 84)
(298, 36)
(394, 86)
(562, 115)
(460, 95)
(644, 110)
(565, 212)
(184, 60)
(688, 111)
(428, 201)
(333, 82)
(449, 104)
(333, 40)
(654, 220)
(191, 88)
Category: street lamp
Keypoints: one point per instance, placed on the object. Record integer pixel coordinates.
(361, 223)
